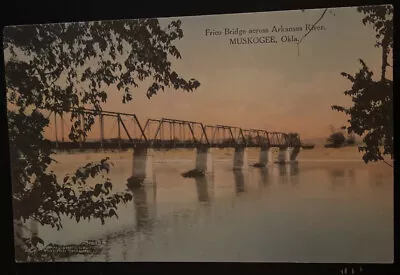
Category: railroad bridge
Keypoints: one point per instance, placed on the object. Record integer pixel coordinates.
(124, 131)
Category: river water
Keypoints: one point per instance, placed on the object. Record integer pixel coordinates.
(310, 212)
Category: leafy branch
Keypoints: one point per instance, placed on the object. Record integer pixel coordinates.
(372, 111)
(64, 67)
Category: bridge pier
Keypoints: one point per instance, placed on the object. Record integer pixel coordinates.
(265, 156)
(288, 155)
(295, 153)
(284, 155)
(240, 159)
(204, 160)
(142, 165)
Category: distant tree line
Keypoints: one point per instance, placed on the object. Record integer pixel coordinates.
(338, 139)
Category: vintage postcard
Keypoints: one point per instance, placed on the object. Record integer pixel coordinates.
(253, 137)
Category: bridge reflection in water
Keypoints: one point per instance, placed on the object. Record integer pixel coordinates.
(265, 176)
(191, 212)
(239, 181)
(288, 173)
(145, 208)
(342, 177)
(280, 173)
(204, 186)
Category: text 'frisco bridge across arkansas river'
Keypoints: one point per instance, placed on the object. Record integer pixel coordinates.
(122, 131)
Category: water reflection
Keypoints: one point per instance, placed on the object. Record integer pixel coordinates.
(107, 257)
(239, 181)
(352, 175)
(184, 226)
(124, 250)
(264, 175)
(203, 185)
(338, 173)
(376, 178)
(337, 177)
(294, 168)
(288, 172)
(340, 178)
(143, 197)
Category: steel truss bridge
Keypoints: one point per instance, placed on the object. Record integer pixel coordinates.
(124, 131)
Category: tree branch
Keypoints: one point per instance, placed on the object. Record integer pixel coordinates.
(385, 50)
(307, 33)
(45, 73)
(387, 163)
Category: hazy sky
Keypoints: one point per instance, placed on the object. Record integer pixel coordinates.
(265, 86)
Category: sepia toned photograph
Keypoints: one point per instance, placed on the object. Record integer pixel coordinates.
(249, 137)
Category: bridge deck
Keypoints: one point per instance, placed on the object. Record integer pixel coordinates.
(115, 145)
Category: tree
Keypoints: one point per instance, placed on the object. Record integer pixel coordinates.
(64, 68)
(351, 139)
(336, 139)
(372, 111)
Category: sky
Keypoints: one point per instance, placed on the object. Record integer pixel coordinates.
(274, 87)
(264, 86)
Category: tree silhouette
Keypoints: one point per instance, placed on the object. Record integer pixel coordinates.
(351, 139)
(66, 67)
(336, 139)
(372, 111)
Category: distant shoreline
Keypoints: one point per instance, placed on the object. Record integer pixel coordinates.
(318, 154)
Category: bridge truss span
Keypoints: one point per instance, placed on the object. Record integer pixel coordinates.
(174, 133)
(223, 136)
(116, 130)
(108, 130)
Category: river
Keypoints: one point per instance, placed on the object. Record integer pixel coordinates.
(310, 212)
